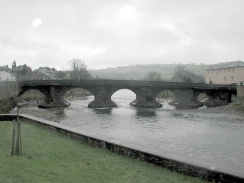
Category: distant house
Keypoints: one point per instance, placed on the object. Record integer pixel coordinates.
(49, 73)
(22, 72)
(225, 73)
(6, 74)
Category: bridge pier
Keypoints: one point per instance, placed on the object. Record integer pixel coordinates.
(53, 97)
(146, 98)
(217, 99)
(102, 97)
(185, 99)
(217, 96)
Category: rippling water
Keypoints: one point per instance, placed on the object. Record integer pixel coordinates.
(212, 137)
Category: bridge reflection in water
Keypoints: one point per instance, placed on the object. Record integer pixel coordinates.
(146, 91)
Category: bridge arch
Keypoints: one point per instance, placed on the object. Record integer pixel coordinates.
(76, 93)
(123, 93)
(32, 95)
(166, 98)
(24, 90)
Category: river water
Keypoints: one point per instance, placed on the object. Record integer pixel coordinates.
(214, 137)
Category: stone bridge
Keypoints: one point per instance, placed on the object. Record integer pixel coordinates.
(146, 92)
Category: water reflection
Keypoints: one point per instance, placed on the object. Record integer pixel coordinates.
(103, 110)
(145, 113)
(59, 112)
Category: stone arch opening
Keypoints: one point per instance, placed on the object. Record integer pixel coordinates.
(166, 98)
(165, 94)
(202, 97)
(32, 96)
(122, 96)
(77, 93)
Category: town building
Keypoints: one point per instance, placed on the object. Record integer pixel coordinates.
(225, 73)
(50, 73)
(24, 72)
(6, 74)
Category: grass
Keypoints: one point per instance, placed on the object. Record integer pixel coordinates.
(49, 156)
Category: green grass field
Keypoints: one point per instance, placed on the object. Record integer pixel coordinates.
(52, 157)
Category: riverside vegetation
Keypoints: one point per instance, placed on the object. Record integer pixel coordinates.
(49, 156)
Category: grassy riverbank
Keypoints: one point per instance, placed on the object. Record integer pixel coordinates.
(52, 157)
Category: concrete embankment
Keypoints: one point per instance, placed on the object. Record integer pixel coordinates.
(186, 165)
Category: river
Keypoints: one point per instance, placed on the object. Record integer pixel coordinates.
(214, 137)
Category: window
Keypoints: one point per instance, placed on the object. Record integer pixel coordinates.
(225, 78)
(225, 70)
(233, 69)
(219, 70)
(217, 73)
(232, 78)
(228, 69)
(208, 72)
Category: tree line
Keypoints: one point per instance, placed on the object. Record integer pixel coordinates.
(79, 71)
(181, 74)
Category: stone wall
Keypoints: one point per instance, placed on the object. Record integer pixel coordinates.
(240, 91)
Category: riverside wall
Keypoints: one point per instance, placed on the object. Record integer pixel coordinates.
(185, 165)
(7, 90)
(240, 91)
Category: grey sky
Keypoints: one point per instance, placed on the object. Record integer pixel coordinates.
(109, 33)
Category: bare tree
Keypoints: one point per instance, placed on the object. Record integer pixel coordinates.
(60, 74)
(181, 74)
(79, 70)
(153, 76)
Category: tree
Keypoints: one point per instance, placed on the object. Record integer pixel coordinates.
(79, 70)
(60, 74)
(153, 76)
(181, 74)
(13, 88)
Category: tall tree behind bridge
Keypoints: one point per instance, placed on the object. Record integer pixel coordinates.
(181, 74)
(79, 70)
(60, 74)
(153, 76)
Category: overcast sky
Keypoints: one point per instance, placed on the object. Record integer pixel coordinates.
(110, 33)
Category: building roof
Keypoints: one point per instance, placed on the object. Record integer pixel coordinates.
(5, 68)
(226, 65)
(22, 69)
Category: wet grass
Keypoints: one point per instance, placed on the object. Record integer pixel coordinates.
(52, 157)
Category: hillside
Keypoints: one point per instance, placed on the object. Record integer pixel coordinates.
(138, 72)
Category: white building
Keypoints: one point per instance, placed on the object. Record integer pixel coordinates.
(225, 73)
(5, 74)
(50, 73)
